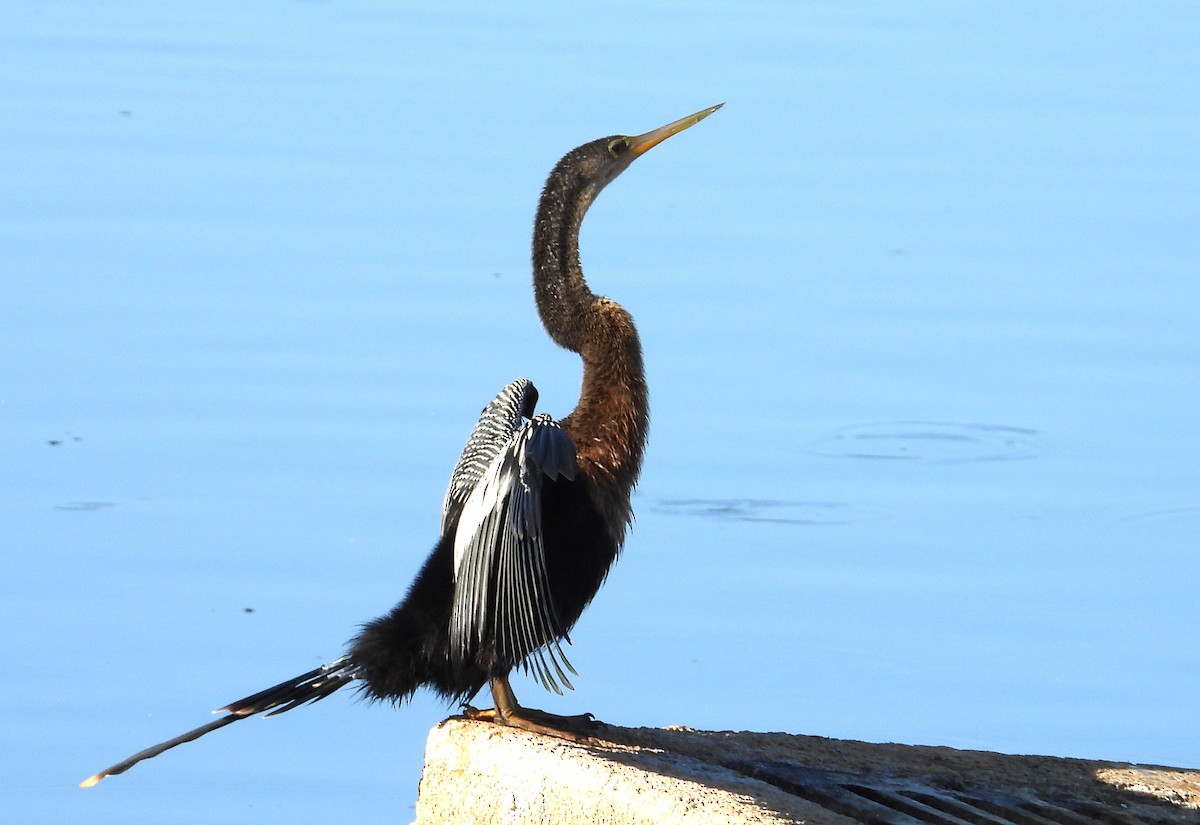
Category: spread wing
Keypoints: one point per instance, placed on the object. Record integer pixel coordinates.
(494, 508)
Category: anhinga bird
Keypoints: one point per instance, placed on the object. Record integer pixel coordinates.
(536, 511)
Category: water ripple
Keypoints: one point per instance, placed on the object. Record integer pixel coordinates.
(770, 511)
(84, 506)
(934, 442)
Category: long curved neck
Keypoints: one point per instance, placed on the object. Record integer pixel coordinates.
(611, 420)
(563, 297)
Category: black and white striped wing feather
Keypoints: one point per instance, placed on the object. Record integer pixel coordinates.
(501, 591)
(500, 419)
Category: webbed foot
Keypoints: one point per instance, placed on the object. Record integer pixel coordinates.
(507, 712)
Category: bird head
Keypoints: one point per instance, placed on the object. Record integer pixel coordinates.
(598, 163)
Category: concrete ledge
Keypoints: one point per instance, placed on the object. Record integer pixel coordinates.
(477, 772)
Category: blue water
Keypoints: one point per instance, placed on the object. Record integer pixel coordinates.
(921, 316)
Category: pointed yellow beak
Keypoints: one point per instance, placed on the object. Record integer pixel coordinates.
(644, 143)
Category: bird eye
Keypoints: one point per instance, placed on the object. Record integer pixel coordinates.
(618, 147)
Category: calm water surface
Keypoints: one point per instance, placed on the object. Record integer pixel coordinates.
(920, 311)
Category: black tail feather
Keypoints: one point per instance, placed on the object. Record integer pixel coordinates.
(309, 687)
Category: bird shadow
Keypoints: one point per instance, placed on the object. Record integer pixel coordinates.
(797, 775)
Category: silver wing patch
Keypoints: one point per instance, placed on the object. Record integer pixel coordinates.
(501, 591)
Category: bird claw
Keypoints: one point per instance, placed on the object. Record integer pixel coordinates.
(572, 728)
(474, 713)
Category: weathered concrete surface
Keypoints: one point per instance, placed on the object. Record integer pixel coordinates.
(477, 772)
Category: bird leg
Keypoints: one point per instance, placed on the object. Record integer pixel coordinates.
(508, 712)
